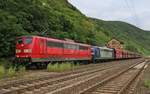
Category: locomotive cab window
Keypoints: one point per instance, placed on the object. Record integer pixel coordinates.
(28, 40)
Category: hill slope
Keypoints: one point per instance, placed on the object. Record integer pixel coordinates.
(134, 39)
(59, 19)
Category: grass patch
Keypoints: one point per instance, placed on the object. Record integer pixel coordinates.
(11, 71)
(57, 67)
(52, 67)
(2, 71)
(6, 69)
(147, 83)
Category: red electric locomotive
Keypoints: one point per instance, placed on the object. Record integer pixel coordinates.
(36, 49)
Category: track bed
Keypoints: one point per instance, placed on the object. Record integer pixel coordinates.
(71, 82)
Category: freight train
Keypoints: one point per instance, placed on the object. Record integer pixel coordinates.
(39, 50)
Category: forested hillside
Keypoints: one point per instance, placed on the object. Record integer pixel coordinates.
(134, 39)
(59, 19)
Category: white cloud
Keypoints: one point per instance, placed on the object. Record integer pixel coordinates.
(117, 10)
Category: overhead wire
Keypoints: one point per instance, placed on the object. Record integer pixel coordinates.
(133, 12)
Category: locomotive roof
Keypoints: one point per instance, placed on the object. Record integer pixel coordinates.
(103, 48)
(56, 40)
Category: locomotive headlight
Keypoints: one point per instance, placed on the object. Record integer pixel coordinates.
(27, 50)
(18, 51)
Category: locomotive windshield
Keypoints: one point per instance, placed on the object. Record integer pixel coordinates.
(28, 40)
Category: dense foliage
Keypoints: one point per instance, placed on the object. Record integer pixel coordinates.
(59, 19)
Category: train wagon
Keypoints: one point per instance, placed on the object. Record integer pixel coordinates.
(118, 53)
(35, 49)
(124, 54)
(102, 53)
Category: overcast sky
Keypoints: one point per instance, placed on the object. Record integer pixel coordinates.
(136, 12)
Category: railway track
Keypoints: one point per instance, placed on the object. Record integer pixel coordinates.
(83, 85)
(82, 68)
(9, 82)
(54, 85)
(118, 83)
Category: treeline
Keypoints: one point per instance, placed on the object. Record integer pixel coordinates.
(58, 19)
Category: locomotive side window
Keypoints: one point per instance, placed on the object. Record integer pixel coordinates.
(83, 48)
(54, 44)
(28, 40)
(71, 46)
(20, 41)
